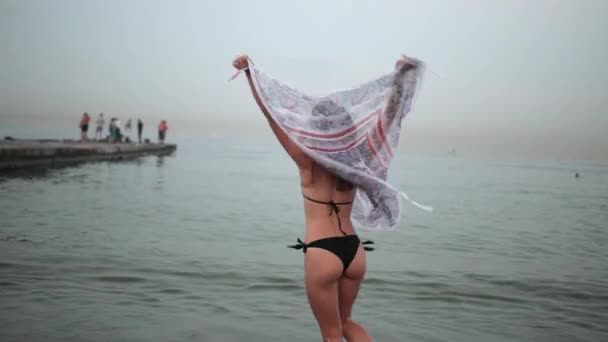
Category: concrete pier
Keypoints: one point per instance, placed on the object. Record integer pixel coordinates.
(17, 153)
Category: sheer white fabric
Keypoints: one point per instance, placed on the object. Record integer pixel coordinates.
(353, 133)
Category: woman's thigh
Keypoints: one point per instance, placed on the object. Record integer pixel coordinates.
(350, 282)
(322, 270)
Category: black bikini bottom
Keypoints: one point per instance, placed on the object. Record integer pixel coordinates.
(344, 247)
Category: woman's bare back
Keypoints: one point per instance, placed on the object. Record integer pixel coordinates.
(320, 185)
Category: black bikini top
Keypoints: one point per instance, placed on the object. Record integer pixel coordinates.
(333, 207)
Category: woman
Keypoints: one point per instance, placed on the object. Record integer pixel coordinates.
(335, 260)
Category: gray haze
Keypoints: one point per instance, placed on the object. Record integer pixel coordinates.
(507, 76)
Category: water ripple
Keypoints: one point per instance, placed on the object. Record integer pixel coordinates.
(120, 279)
(90, 250)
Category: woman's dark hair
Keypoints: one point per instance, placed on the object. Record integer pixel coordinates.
(344, 185)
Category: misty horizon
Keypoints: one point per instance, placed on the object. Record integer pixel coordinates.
(515, 77)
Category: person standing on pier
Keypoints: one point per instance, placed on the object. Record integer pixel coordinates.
(128, 126)
(99, 127)
(117, 133)
(162, 131)
(84, 126)
(140, 129)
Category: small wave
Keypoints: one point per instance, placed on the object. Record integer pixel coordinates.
(121, 279)
(461, 248)
(415, 274)
(589, 169)
(276, 316)
(372, 281)
(274, 279)
(150, 300)
(15, 238)
(193, 297)
(203, 274)
(220, 309)
(7, 284)
(549, 289)
(387, 284)
(172, 291)
(126, 303)
(6, 265)
(438, 298)
(445, 294)
(39, 299)
(486, 297)
(582, 324)
(286, 287)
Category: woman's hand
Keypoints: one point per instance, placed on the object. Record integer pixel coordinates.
(241, 62)
(401, 61)
(405, 60)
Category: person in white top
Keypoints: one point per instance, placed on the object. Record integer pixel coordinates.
(128, 126)
(99, 126)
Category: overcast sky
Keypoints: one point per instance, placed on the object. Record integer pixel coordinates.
(510, 74)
